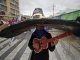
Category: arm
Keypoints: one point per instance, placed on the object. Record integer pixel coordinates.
(30, 44)
(51, 46)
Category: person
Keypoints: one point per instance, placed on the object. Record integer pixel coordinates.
(39, 33)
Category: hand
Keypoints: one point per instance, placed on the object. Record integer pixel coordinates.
(55, 42)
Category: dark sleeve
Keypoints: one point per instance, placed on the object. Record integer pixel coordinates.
(30, 44)
(51, 48)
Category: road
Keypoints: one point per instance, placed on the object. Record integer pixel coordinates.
(17, 48)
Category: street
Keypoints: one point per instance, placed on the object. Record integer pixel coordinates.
(17, 47)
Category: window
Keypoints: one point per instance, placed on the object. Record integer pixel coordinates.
(12, 1)
(3, 2)
(3, 8)
(12, 5)
(12, 10)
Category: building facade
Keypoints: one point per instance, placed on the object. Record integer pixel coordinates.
(10, 7)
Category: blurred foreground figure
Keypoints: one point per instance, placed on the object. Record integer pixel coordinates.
(40, 50)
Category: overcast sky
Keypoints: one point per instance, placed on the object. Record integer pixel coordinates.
(27, 6)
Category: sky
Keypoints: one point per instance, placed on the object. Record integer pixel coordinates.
(27, 6)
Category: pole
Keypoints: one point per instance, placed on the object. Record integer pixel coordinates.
(53, 9)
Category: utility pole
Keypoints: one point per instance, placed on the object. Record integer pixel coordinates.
(53, 9)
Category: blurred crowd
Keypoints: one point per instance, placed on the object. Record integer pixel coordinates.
(10, 19)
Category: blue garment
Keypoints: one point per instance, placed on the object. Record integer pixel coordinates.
(40, 33)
